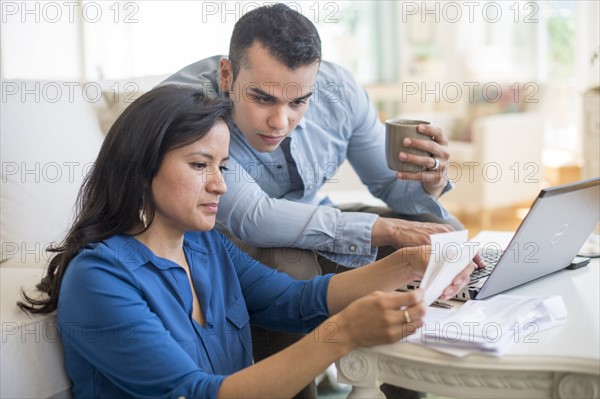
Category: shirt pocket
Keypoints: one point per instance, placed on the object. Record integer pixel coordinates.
(238, 326)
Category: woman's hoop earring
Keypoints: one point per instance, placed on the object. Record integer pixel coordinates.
(142, 213)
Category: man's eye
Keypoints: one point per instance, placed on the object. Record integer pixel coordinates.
(299, 103)
(223, 168)
(262, 100)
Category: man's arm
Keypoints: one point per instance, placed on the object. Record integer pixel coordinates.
(251, 215)
(366, 153)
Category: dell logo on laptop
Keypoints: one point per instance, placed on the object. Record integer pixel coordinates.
(561, 232)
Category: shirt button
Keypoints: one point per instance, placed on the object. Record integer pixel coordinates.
(309, 187)
(352, 248)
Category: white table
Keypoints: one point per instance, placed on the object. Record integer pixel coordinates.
(562, 362)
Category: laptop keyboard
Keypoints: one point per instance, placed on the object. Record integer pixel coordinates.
(490, 258)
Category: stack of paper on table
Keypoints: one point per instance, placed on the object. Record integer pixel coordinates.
(488, 326)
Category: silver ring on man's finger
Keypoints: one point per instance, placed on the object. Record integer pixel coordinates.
(436, 165)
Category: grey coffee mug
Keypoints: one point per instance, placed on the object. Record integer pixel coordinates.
(395, 132)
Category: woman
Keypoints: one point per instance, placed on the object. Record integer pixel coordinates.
(152, 302)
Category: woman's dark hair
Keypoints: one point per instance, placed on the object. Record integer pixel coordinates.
(287, 35)
(118, 186)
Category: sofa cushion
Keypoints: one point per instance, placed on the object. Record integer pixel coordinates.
(119, 94)
(50, 139)
(31, 351)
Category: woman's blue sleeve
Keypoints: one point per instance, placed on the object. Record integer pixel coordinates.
(275, 300)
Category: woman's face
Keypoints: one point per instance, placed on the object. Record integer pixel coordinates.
(189, 182)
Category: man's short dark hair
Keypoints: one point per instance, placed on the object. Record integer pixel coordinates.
(287, 35)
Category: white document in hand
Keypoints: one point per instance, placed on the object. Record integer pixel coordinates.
(450, 254)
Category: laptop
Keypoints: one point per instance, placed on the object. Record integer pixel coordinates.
(548, 239)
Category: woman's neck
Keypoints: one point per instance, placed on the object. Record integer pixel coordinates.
(165, 244)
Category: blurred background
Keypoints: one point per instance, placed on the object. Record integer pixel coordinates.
(454, 63)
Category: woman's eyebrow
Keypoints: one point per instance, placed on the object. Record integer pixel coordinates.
(206, 155)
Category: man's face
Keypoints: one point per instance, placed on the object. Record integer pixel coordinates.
(269, 99)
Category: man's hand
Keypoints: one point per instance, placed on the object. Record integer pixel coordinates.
(400, 233)
(434, 181)
(459, 282)
(416, 260)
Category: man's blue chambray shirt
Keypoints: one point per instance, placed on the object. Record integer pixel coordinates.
(264, 208)
(125, 316)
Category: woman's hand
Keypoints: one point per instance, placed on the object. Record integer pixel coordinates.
(380, 318)
(388, 274)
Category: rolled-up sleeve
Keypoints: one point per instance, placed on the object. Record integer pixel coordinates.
(254, 217)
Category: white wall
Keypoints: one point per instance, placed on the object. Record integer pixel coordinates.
(87, 40)
(588, 42)
(39, 40)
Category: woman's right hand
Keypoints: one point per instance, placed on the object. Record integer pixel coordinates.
(381, 318)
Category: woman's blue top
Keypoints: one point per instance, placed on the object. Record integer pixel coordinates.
(125, 316)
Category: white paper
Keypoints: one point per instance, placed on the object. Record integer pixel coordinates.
(451, 253)
(488, 326)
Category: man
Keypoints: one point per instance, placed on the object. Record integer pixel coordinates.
(297, 119)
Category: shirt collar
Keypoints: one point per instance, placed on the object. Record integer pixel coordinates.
(236, 131)
(302, 123)
(129, 251)
(135, 254)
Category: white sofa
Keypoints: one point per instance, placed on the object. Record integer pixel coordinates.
(50, 135)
